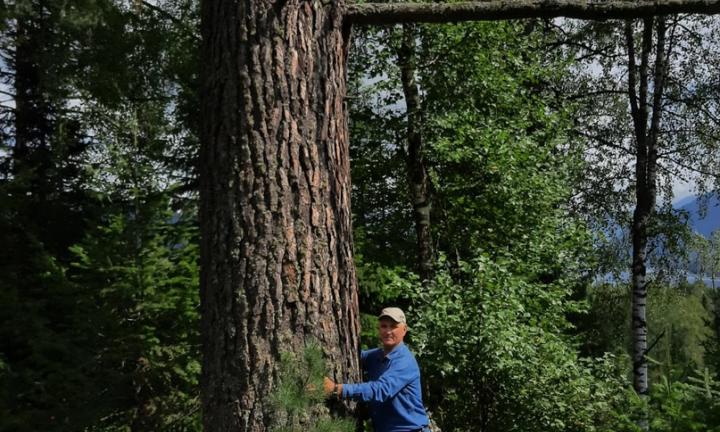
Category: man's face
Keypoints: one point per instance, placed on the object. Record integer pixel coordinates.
(391, 333)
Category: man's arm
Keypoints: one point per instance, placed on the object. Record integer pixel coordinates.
(390, 383)
(331, 388)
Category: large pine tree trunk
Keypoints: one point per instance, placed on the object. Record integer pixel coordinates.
(276, 251)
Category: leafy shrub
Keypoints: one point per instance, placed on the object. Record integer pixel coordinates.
(678, 318)
(494, 353)
(688, 404)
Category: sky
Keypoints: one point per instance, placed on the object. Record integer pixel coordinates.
(681, 190)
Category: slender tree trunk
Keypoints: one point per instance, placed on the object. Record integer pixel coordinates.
(646, 155)
(714, 255)
(643, 206)
(276, 267)
(716, 305)
(143, 420)
(418, 179)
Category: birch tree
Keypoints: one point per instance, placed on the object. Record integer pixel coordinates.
(276, 250)
(650, 117)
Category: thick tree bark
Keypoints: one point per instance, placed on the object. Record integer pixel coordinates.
(394, 13)
(276, 251)
(418, 179)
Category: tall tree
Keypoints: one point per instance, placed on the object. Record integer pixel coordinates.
(646, 118)
(416, 161)
(276, 268)
(650, 121)
(275, 218)
(45, 140)
(42, 201)
(94, 257)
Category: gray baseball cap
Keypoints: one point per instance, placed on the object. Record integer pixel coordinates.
(395, 314)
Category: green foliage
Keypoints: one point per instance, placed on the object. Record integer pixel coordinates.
(495, 145)
(298, 398)
(140, 270)
(707, 257)
(689, 404)
(713, 343)
(491, 330)
(381, 285)
(98, 276)
(606, 328)
(681, 315)
(500, 166)
(692, 405)
(492, 345)
(43, 354)
(677, 317)
(43, 206)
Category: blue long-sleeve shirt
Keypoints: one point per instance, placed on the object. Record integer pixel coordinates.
(392, 391)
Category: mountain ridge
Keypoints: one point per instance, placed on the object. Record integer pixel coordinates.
(702, 225)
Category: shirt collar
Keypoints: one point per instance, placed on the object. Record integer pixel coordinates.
(397, 351)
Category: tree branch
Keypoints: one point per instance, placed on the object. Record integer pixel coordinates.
(395, 13)
(670, 172)
(658, 82)
(595, 93)
(604, 142)
(693, 169)
(686, 148)
(695, 104)
(175, 20)
(632, 84)
(589, 51)
(647, 38)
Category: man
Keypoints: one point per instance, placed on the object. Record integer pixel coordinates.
(393, 391)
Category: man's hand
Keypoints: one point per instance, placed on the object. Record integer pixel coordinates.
(330, 387)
